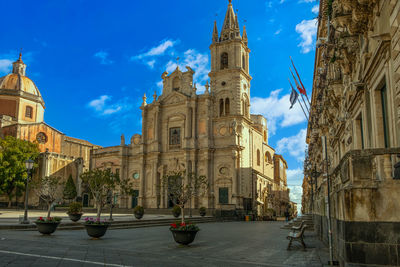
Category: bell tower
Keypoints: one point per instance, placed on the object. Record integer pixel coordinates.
(230, 78)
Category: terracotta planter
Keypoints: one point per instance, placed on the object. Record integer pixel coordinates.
(47, 228)
(176, 214)
(75, 216)
(184, 237)
(202, 213)
(138, 216)
(96, 230)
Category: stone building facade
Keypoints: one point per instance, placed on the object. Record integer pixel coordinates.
(211, 134)
(22, 116)
(356, 106)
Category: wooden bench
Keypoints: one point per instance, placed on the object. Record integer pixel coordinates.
(293, 236)
(298, 228)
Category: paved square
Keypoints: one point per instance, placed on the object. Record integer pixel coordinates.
(217, 244)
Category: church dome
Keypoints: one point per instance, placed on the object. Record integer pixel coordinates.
(18, 81)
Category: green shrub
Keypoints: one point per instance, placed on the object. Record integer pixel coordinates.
(75, 208)
(176, 211)
(202, 211)
(139, 210)
(69, 189)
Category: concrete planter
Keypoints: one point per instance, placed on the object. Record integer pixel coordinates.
(184, 237)
(75, 216)
(96, 230)
(138, 216)
(47, 228)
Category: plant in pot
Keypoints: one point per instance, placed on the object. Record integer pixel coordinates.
(138, 211)
(202, 211)
(182, 187)
(99, 182)
(176, 211)
(75, 211)
(47, 188)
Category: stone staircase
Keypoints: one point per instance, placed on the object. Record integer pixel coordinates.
(307, 218)
(127, 224)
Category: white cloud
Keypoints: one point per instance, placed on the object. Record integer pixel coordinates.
(103, 56)
(5, 66)
(278, 32)
(295, 176)
(315, 9)
(102, 107)
(307, 30)
(151, 63)
(276, 110)
(295, 195)
(157, 50)
(198, 62)
(148, 58)
(307, 1)
(294, 145)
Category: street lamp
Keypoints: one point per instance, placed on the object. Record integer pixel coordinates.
(29, 166)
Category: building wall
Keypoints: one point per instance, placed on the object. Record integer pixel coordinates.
(360, 121)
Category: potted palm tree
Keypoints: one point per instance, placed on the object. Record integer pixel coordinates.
(47, 188)
(75, 211)
(182, 187)
(99, 182)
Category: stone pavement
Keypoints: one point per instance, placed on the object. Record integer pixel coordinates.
(217, 244)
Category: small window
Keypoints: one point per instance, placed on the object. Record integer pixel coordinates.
(221, 107)
(176, 84)
(28, 112)
(224, 60)
(244, 62)
(268, 157)
(175, 136)
(258, 157)
(223, 195)
(227, 106)
(265, 136)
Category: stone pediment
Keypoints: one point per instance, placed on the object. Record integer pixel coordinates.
(174, 98)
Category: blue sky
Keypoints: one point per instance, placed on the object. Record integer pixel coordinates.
(93, 60)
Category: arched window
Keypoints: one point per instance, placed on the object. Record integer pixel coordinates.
(268, 158)
(246, 108)
(175, 136)
(221, 107)
(227, 106)
(244, 62)
(176, 84)
(224, 60)
(28, 112)
(258, 157)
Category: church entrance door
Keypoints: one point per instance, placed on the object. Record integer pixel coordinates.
(85, 200)
(135, 195)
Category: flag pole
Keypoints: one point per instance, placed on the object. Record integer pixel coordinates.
(300, 80)
(299, 101)
(297, 84)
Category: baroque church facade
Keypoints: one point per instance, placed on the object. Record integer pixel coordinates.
(211, 134)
